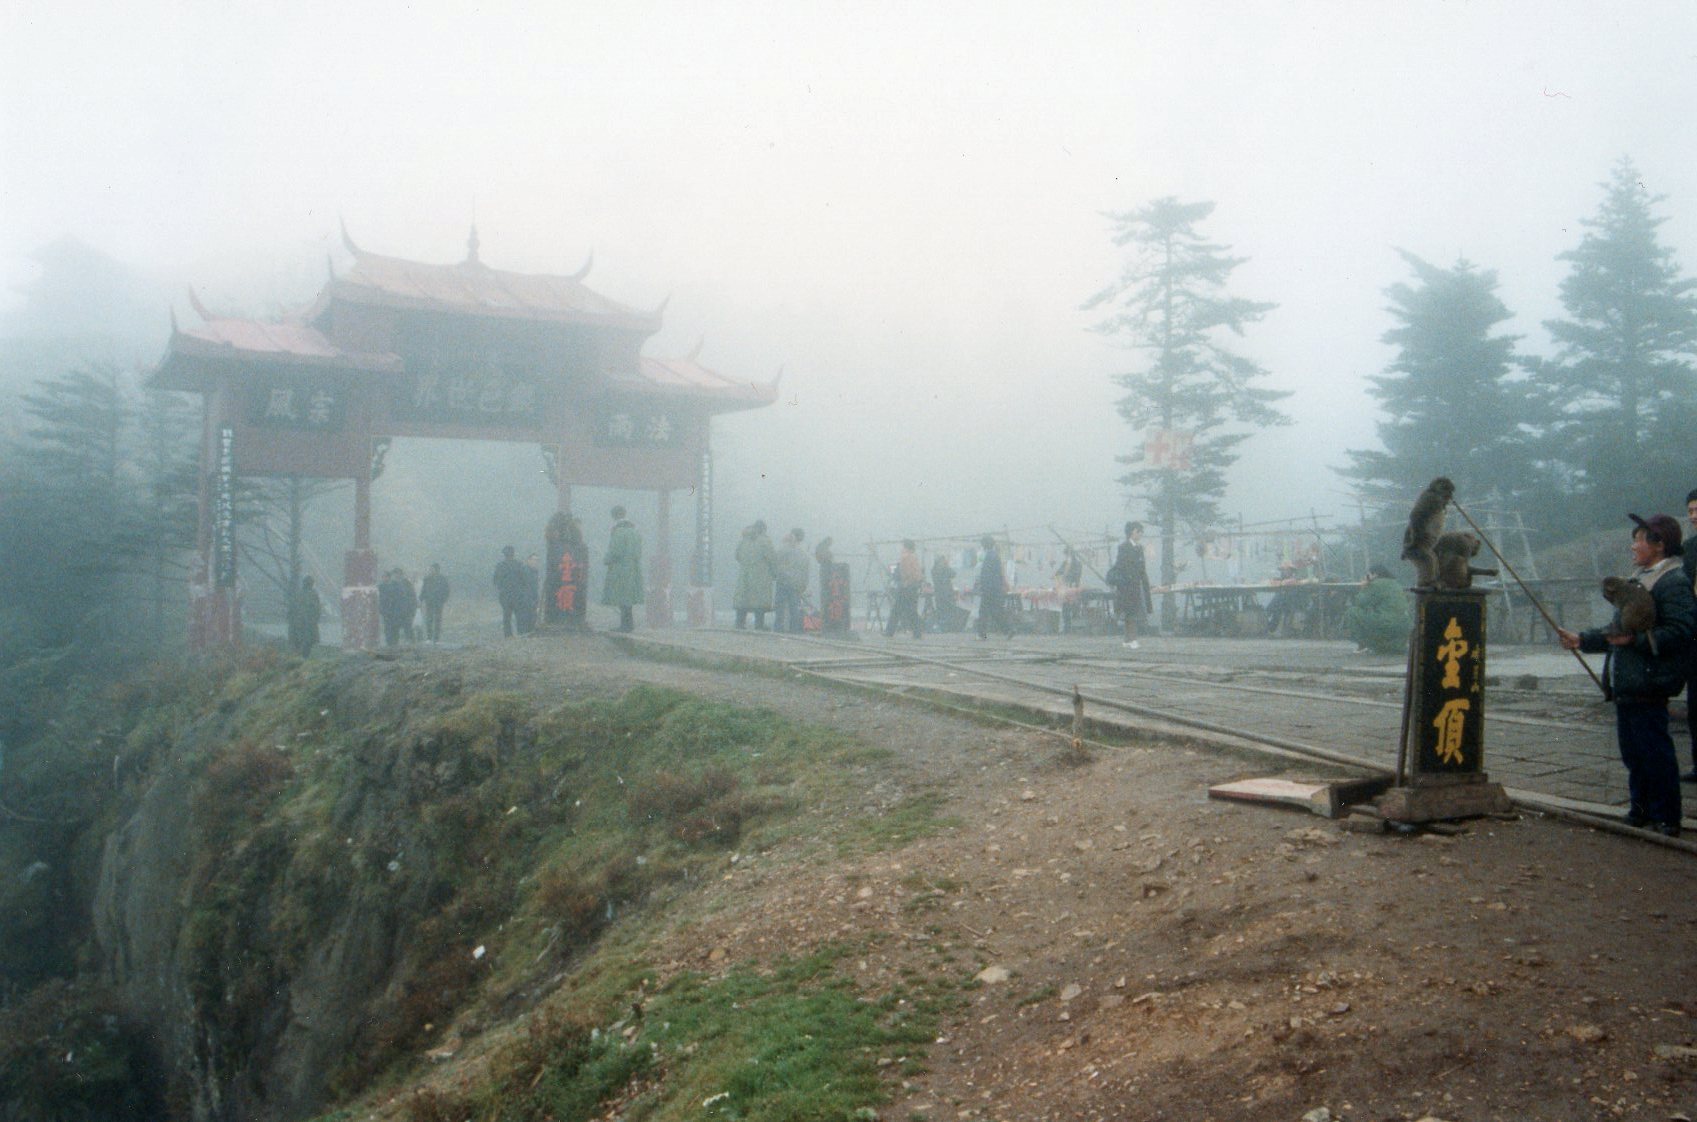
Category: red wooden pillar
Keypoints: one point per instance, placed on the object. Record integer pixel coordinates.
(701, 556)
(359, 572)
(659, 598)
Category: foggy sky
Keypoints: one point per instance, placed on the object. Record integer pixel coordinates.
(899, 205)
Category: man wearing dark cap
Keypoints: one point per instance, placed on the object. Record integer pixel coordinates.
(1691, 655)
(1643, 670)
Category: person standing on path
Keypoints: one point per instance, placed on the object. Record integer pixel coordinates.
(1129, 578)
(1644, 669)
(433, 593)
(790, 570)
(754, 576)
(623, 587)
(511, 583)
(992, 589)
(910, 578)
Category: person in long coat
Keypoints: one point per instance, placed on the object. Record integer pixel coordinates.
(1129, 577)
(992, 589)
(433, 594)
(305, 608)
(754, 576)
(623, 587)
(791, 570)
(510, 585)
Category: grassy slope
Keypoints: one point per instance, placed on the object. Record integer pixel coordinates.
(526, 850)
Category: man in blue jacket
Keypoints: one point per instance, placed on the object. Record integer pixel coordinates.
(1643, 670)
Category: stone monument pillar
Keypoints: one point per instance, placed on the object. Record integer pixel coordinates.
(1441, 758)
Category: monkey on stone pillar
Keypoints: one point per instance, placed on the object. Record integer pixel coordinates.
(1425, 526)
(1454, 553)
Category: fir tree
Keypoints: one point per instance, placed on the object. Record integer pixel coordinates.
(1452, 397)
(1170, 305)
(1622, 377)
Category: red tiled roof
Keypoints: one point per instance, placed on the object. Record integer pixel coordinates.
(287, 341)
(685, 377)
(473, 288)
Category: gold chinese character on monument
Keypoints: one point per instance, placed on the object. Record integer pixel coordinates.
(1451, 654)
(1451, 722)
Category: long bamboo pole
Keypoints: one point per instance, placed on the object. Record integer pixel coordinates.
(1530, 595)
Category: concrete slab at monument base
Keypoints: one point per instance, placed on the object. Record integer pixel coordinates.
(1433, 798)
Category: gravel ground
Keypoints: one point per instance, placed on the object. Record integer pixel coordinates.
(1147, 953)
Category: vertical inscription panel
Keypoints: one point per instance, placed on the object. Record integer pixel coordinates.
(1449, 683)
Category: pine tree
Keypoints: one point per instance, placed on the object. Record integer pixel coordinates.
(1622, 377)
(1452, 398)
(1169, 304)
(77, 497)
(170, 480)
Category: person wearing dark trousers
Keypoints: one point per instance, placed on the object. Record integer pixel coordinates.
(433, 594)
(511, 584)
(1646, 668)
(789, 569)
(992, 589)
(910, 578)
(396, 605)
(1690, 561)
(755, 579)
(623, 587)
(1129, 578)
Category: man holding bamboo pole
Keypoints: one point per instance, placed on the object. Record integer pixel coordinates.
(1646, 668)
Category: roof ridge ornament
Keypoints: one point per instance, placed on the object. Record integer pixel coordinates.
(471, 244)
(779, 377)
(199, 308)
(587, 263)
(347, 241)
(660, 312)
(695, 351)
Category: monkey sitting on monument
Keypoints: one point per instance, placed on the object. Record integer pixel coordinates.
(1454, 553)
(1636, 608)
(1425, 526)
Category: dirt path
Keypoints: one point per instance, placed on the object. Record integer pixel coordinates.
(1147, 953)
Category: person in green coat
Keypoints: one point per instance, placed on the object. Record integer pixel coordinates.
(623, 586)
(1378, 618)
(755, 576)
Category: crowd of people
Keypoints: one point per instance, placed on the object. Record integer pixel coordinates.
(1643, 670)
(775, 580)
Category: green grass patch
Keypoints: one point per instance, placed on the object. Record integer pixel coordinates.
(917, 816)
(794, 1042)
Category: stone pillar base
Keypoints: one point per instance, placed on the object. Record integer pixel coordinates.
(359, 600)
(1435, 798)
(215, 617)
(700, 608)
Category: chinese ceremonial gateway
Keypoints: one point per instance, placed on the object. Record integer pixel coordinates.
(463, 351)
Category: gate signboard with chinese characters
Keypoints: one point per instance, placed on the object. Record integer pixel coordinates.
(396, 348)
(1441, 761)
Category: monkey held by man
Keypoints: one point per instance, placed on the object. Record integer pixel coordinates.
(1425, 525)
(1636, 606)
(1454, 553)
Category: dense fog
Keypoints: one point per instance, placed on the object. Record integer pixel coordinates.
(903, 210)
